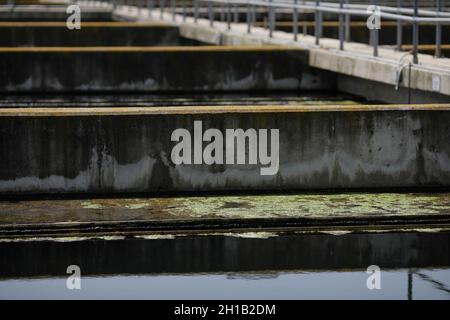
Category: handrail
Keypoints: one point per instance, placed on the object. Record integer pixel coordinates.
(343, 9)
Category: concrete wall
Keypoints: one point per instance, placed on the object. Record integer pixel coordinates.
(128, 150)
(150, 69)
(54, 34)
(51, 13)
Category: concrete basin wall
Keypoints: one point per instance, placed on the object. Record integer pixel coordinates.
(129, 149)
(158, 69)
(54, 34)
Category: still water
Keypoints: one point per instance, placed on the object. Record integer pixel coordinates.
(414, 265)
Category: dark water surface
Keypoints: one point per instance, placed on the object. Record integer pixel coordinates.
(414, 265)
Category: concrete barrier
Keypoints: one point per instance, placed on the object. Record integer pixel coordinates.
(86, 150)
(150, 69)
(54, 34)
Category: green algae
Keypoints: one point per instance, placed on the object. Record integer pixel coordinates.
(317, 206)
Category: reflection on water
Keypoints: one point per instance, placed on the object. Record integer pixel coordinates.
(309, 285)
(290, 266)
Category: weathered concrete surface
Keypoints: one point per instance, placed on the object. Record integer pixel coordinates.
(86, 150)
(385, 92)
(51, 13)
(210, 68)
(54, 34)
(356, 61)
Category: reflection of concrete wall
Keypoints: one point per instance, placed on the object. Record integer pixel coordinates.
(91, 34)
(124, 153)
(157, 69)
(226, 254)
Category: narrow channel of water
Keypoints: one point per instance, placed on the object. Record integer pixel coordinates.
(414, 265)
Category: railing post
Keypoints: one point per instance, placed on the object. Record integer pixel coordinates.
(228, 15)
(248, 17)
(195, 11)
(438, 29)
(184, 11)
(172, 8)
(253, 21)
(161, 9)
(210, 14)
(318, 20)
(271, 26)
(341, 26)
(375, 33)
(305, 22)
(416, 34)
(295, 22)
(347, 24)
(150, 7)
(399, 27)
(236, 13)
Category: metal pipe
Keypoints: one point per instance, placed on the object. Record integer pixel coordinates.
(318, 23)
(195, 11)
(399, 28)
(416, 34)
(228, 15)
(272, 19)
(347, 23)
(438, 29)
(327, 9)
(295, 22)
(248, 17)
(341, 26)
(375, 33)
(210, 14)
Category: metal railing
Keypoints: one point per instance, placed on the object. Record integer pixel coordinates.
(225, 10)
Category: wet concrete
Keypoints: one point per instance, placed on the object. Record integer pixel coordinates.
(115, 69)
(119, 150)
(56, 34)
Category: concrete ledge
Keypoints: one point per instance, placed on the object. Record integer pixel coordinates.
(187, 110)
(101, 151)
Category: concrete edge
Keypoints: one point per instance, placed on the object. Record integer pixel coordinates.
(165, 110)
